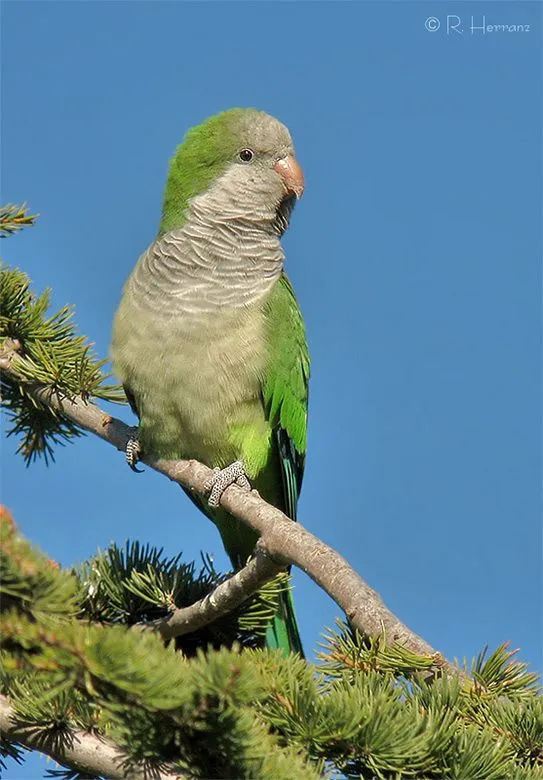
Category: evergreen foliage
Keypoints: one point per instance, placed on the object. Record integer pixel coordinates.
(213, 703)
(137, 584)
(50, 352)
(14, 218)
(71, 660)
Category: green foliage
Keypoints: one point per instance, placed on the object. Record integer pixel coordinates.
(496, 675)
(195, 713)
(11, 751)
(48, 351)
(137, 584)
(344, 651)
(71, 660)
(34, 587)
(13, 218)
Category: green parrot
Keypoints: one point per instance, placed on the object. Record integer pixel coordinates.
(208, 339)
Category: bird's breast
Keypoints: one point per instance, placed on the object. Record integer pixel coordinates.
(195, 378)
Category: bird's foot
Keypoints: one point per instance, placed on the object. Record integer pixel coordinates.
(133, 451)
(234, 474)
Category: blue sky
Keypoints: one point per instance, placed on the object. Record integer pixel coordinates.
(415, 254)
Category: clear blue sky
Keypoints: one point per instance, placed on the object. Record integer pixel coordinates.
(415, 254)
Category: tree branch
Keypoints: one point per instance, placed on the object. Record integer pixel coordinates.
(226, 597)
(282, 540)
(80, 750)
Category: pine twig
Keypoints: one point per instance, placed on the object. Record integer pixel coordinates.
(81, 750)
(14, 218)
(226, 597)
(282, 540)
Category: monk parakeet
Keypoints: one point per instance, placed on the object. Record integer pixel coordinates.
(208, 339)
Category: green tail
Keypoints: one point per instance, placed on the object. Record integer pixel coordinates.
(282, 633)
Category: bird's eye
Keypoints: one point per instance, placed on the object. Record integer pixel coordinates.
(246, 155)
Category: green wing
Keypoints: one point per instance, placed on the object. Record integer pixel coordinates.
(285, 395)
(285, 389)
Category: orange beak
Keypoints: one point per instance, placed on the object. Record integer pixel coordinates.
(290, 171)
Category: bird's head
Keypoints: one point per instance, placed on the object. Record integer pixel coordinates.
(244, 157)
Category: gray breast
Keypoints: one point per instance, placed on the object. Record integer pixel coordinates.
(227, 254)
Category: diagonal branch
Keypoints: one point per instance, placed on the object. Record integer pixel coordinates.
(282, 540)
(80, 750)
(226, 597)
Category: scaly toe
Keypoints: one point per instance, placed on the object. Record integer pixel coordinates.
(243, 482)
(209, 483)
(133, 453)
(223, 478)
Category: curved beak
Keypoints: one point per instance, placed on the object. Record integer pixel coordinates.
(290, 171)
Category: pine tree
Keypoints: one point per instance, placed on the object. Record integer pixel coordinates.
(91, 676)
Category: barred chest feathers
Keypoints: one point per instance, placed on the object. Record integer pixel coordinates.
(201, 373)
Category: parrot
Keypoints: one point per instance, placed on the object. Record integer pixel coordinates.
(209, 340)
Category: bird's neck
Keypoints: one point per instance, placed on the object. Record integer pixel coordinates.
(226, 254)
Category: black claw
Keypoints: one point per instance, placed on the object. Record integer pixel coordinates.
(133, 453)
